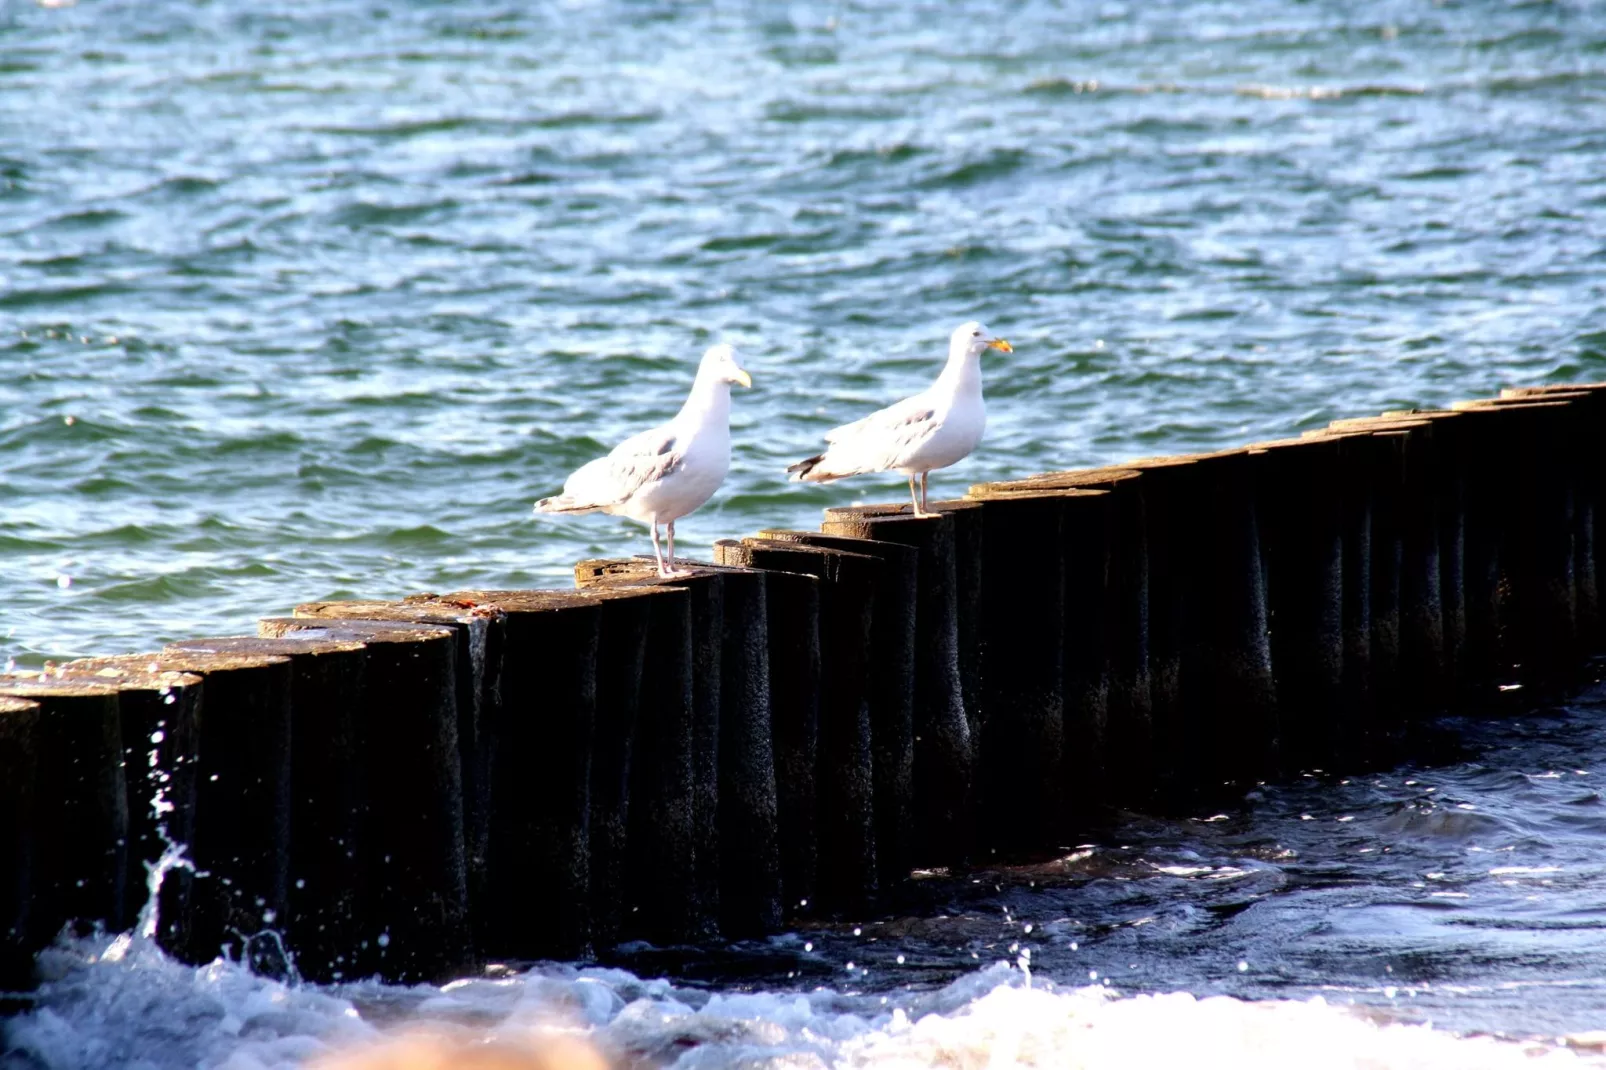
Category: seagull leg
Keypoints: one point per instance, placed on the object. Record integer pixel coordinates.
(671, 571)
(914, 496)
(658, 554)
(925, 502)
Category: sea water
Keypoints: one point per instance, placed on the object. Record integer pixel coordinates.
(314, 302)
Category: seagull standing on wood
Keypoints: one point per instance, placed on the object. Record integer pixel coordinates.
(659, 476)
(933, 429)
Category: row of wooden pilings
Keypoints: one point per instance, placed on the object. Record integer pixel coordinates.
(414, 788)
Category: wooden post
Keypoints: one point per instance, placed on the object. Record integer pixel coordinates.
(242, 802)
(1227, 682)
(1111, 703)
(649, 785)
(1087, 521)
(1021, 759)
(1354, 490)
(966, 516)
(750, 867)
(80, 817)
(480, 636)
(1537, 540)
(943, 756)
(1447, 491)
(415, 919)
(625, 619)
(845, 822)
(792, 622)
(894, 687)
(19, 762)
(1301, 527)
(1589, 499)
(1547, 436)
(1373, 453)
(1153, 518)
(160, 719)
(705, 593)
(538, 880)
(1424, 652)
(1422, 590)
(328, 792)
(734, 787)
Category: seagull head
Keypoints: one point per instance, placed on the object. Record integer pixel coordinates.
(722, 365)
(971, 338)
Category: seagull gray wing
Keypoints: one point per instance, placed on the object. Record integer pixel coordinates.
(637, 461)
(883, 439)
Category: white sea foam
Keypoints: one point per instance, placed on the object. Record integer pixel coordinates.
(135, 1007)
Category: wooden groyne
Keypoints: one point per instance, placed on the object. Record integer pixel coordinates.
(414, 788)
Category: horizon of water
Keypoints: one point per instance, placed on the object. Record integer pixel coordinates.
(316, 302)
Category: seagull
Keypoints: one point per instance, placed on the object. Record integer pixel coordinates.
(933, 429)
(660, 475)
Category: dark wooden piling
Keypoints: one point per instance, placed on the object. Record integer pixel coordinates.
(1537, 442)
(414, 923)
(1446, 489)
(942, 750)
(1353, 488)
(844, 784)
(1109, 699)
(1426, 653)
(966, 516)
(1228, 690)
(80, 815)
(160, 717)
(1300, 512)
(1565, 457)
(538, 865)
(242, 800)
(894, 685)
(328, 792)
(792, 623)
(705, 591)
(1021, 754)
(1374, 454)
(734, 789)
(480, 635)
(644, 763)
(19, 763)
(1589, 399)
(750, 867)
(625, 616)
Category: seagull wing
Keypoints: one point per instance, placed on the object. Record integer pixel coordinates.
(879, 441)
(612, 480)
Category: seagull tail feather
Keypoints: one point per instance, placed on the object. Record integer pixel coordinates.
(802, 469)
(562, 503)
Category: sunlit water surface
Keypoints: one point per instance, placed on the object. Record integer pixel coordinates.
(309, 304)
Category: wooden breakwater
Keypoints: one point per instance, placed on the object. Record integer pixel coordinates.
(413, 788)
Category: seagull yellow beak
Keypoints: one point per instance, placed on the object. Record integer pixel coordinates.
(999, 343)
(742, 377)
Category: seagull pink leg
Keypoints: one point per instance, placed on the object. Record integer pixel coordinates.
(671, 571)
(658, 554)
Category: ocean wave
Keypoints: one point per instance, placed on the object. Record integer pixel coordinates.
(120, 1002)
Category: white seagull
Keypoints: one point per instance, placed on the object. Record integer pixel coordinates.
(661, 475)
(933, 429)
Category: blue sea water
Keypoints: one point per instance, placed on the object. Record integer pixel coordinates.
(314, 300)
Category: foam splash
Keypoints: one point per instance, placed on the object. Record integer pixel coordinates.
(120, 1002)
